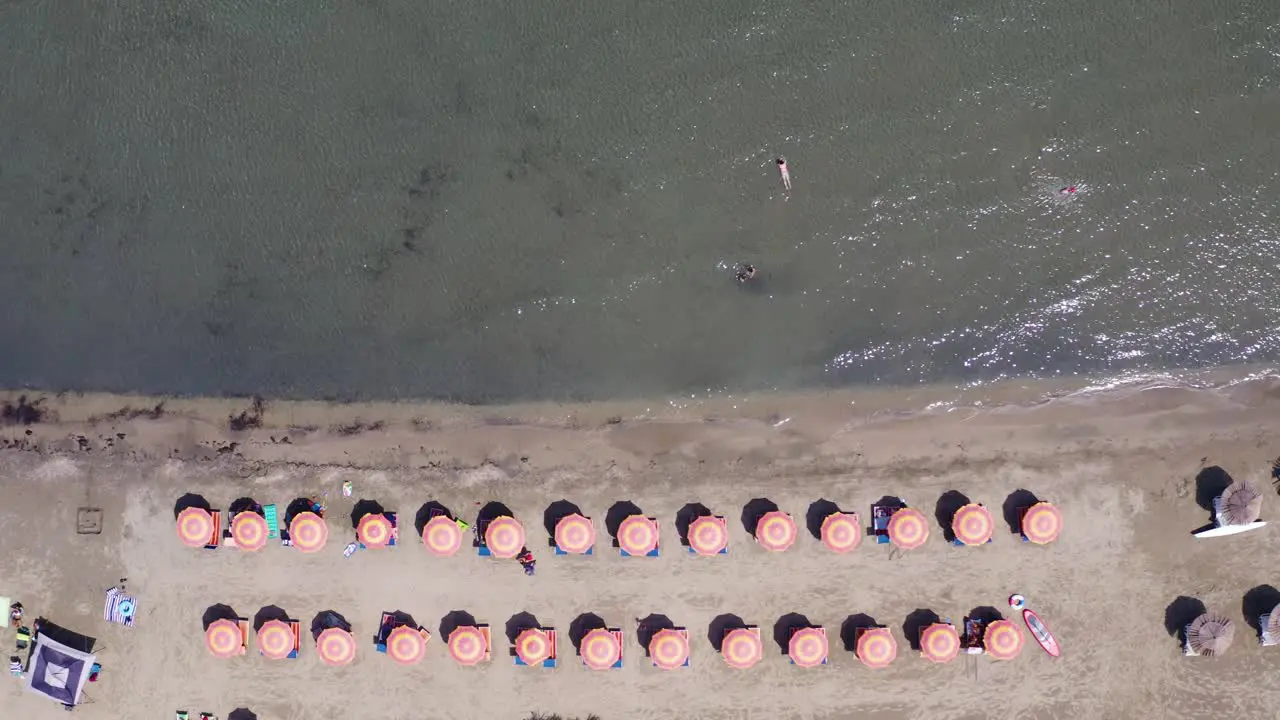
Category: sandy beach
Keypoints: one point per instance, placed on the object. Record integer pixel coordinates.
(1122, 464)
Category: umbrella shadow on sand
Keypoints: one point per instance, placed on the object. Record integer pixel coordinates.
(581, 625)
(1179, 614)
(520, 622)
(986, 614)
(850, 627)
(214, 613)
(454, 620)
(618, 512)
(429, 509)
(190, 500)
(649, 626)
(492, 511)
(945, 511)
(267, 614)
(244, 504)
(295, 508)
(1258, 602)
(915, 623)
(753, 511)
(685, 518)
(786, 625)
(819, 511)
(326, 619)
(722, 625)
(556, 512)
(365, 507)
(242, 714)
(1017, 501)
(1210, 484)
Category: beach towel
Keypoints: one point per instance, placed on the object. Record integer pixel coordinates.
(272, 516)
(120, 608)
(4, 617)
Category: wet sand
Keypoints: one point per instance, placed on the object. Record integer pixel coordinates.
(1121, 464)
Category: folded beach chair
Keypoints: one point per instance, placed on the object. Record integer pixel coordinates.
(551, 661)
(273, 521)
(488, 641)
(481, 548)
(295, 626)
(119, 607)
(617, 632)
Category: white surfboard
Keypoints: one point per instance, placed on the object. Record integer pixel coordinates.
(1222, 530)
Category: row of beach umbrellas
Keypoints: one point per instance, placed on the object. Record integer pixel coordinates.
(600, 647)
(574, 533)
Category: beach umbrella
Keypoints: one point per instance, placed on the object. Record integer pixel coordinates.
(406, 645)
(841, 532)
(195, 527)
(1002, 639)
(708, 535)
(249, 529)
(908, 529)
(876, 647)
(638, 535)
(742, 648)
(1241, 504)
(336, 646)
(224, 639)
(669, 649)
(1273, 622)
(533, 646)
(1042, 523)
(308, 532)
(467, 645)
(972, 524)
(775, 531)
(600, 649)
(808, 647)
(442, 536)
(575, 534)
(1210, 634)
(940, 642)
(275, 639)
(504, 537)
(374, 530)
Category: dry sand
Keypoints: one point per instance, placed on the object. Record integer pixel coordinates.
(1122, 465)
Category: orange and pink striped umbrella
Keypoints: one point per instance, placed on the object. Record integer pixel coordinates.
(442, 536)
(275, 639)
(467, 645)
(808, 647)
(876, 647)
(669, 648)
(504, 537)
(195, 527)
(575, 534)
(600, 649)
(224, 639)
(374, 530)
(249, 529)
(1002, 640)
(638, 535)
(972, 524)
(533, 646)
(708, 535)
(908, 529)
(308, 532)
(1042, 523)
(940, 642)
(406, 645)
(841, 532)
(775, 531)
(742, 648)
(336, 646)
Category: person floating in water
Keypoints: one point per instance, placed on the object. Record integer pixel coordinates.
(786, 174)
(746, 272)
(1068, 190)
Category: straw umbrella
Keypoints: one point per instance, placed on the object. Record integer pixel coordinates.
(973, 525)
(533, 646)
(638, 535)
(908, 528)
(775, 531)
(336, 646)
(575, 534)
(708, 535)
(669, 649)
(1240, 503)
(1042, 523)
(1271, 626)
(308, 532)
(504, 537)
(374, 530)
(940, 642)
(742, 648)
(1002, 639)
(249, 530)
(808, 647)
(195, 527)
(406, 645)
(275, 639)
(467, 645)
(1210, 634)
(442, 536)
(224, 639)
(876, 647)
(600, 649)
(841, 532)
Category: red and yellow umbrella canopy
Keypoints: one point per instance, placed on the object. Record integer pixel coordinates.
(1002, 640)
(224, 639)
(775, 531)
(1042, 523)
(195, 527)
(504, 537)
(708, 535)
(638, 535)
(908, 528)
(249, 529)
(972, 524)
(374, 530)
(406, 645)
(336, 646)
(841, 532)
(533, 646)
(808, 647)
(600, 649)
(742, 648)
(940, 642)
(467, 645)
(876, 647)
(308, 532)
(275, 639)
(442, 536)
(575, 534)
(669, 649)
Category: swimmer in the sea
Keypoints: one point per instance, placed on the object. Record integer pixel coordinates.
(746, 272)
(786, 174)
(1068, 190)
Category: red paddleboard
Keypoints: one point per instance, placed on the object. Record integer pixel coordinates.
(1041, 633)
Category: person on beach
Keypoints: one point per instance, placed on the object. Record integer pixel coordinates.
(786, 174)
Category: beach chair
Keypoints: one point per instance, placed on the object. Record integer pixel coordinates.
(217, 531)
(23, 638)
(1264, 635)
(273, 521)
(795, 630)
(685, 633)
(971, 638)
(243, 624)
(723, 551)
(880, 515)
(551, 661)
(482, 549)
(488, 641)
(395, 528)
(617, 632)
(652, 553)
